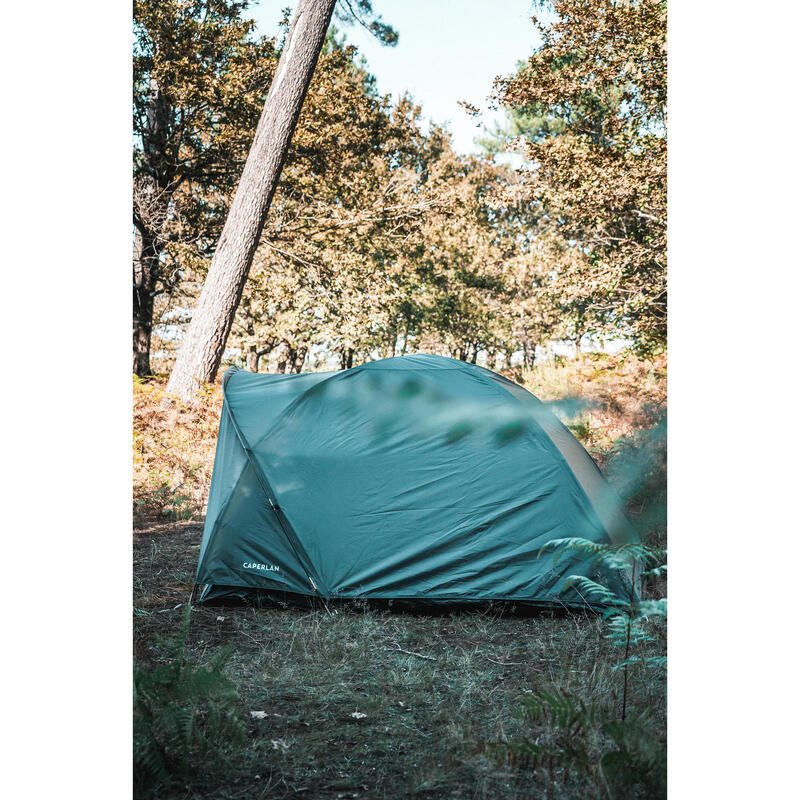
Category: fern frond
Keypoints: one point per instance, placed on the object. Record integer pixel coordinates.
(593, 591)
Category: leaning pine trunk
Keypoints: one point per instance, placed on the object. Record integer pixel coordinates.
(204, 344)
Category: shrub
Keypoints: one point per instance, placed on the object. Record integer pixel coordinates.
(570, 739)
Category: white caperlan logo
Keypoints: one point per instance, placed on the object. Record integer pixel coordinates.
(262, 567)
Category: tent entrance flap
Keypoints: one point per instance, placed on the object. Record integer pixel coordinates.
(283, 522)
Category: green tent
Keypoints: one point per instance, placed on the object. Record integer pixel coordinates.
(419, 479)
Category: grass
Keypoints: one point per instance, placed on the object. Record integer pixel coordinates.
(371, 704)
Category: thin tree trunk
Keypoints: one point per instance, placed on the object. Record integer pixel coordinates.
(150, 202)
(299, 359)
(145, 259)
(391, 341)
(346, 358)
(253, 358)
(405, 339)
(201, 352)
(283, 356)
(528, 351)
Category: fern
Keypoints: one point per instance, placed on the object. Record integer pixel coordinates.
(571, 738)
(625, 616)
(181, 713)
(592, 591)
(620, 556)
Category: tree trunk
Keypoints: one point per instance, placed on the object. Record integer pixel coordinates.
(283, 356)
(299, 359)
(391, 341)
(346, 358)
(201, 352)
(253, 357)
(528, 354)
(145, 260)
(150, 202)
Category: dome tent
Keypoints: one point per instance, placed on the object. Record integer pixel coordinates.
(417, 478)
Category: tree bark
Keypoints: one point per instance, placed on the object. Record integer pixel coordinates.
(391, 342)
(299, 359)
(253, 357)
(284, 354)
(145, 259)
(201, 352)
(149, 204)
(346, 358)
(528, 354)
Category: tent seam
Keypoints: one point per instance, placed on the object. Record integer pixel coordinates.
(272, 498)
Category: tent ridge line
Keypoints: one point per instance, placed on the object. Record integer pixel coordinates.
(296, 402)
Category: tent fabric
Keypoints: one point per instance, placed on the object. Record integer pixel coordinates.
(417, 478)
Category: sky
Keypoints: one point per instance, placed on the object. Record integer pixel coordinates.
(449, 50)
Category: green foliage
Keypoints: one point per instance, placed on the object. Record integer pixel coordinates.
(182, 714)
(568, 738)
(581, 429)
(629, 620)
(199, 80)
(588, 111)
(362, 13)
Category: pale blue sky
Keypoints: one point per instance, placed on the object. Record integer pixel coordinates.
(448, 51)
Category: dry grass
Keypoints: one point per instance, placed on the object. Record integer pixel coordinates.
(173, 450)
(603, 397)
(429, 722)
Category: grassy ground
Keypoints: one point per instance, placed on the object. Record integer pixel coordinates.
(362, 703)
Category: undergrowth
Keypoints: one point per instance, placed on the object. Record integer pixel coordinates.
(184, 717)
(173, 450)
(604, 399)
(567, 739)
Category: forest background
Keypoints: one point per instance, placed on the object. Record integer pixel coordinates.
(382, 238)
